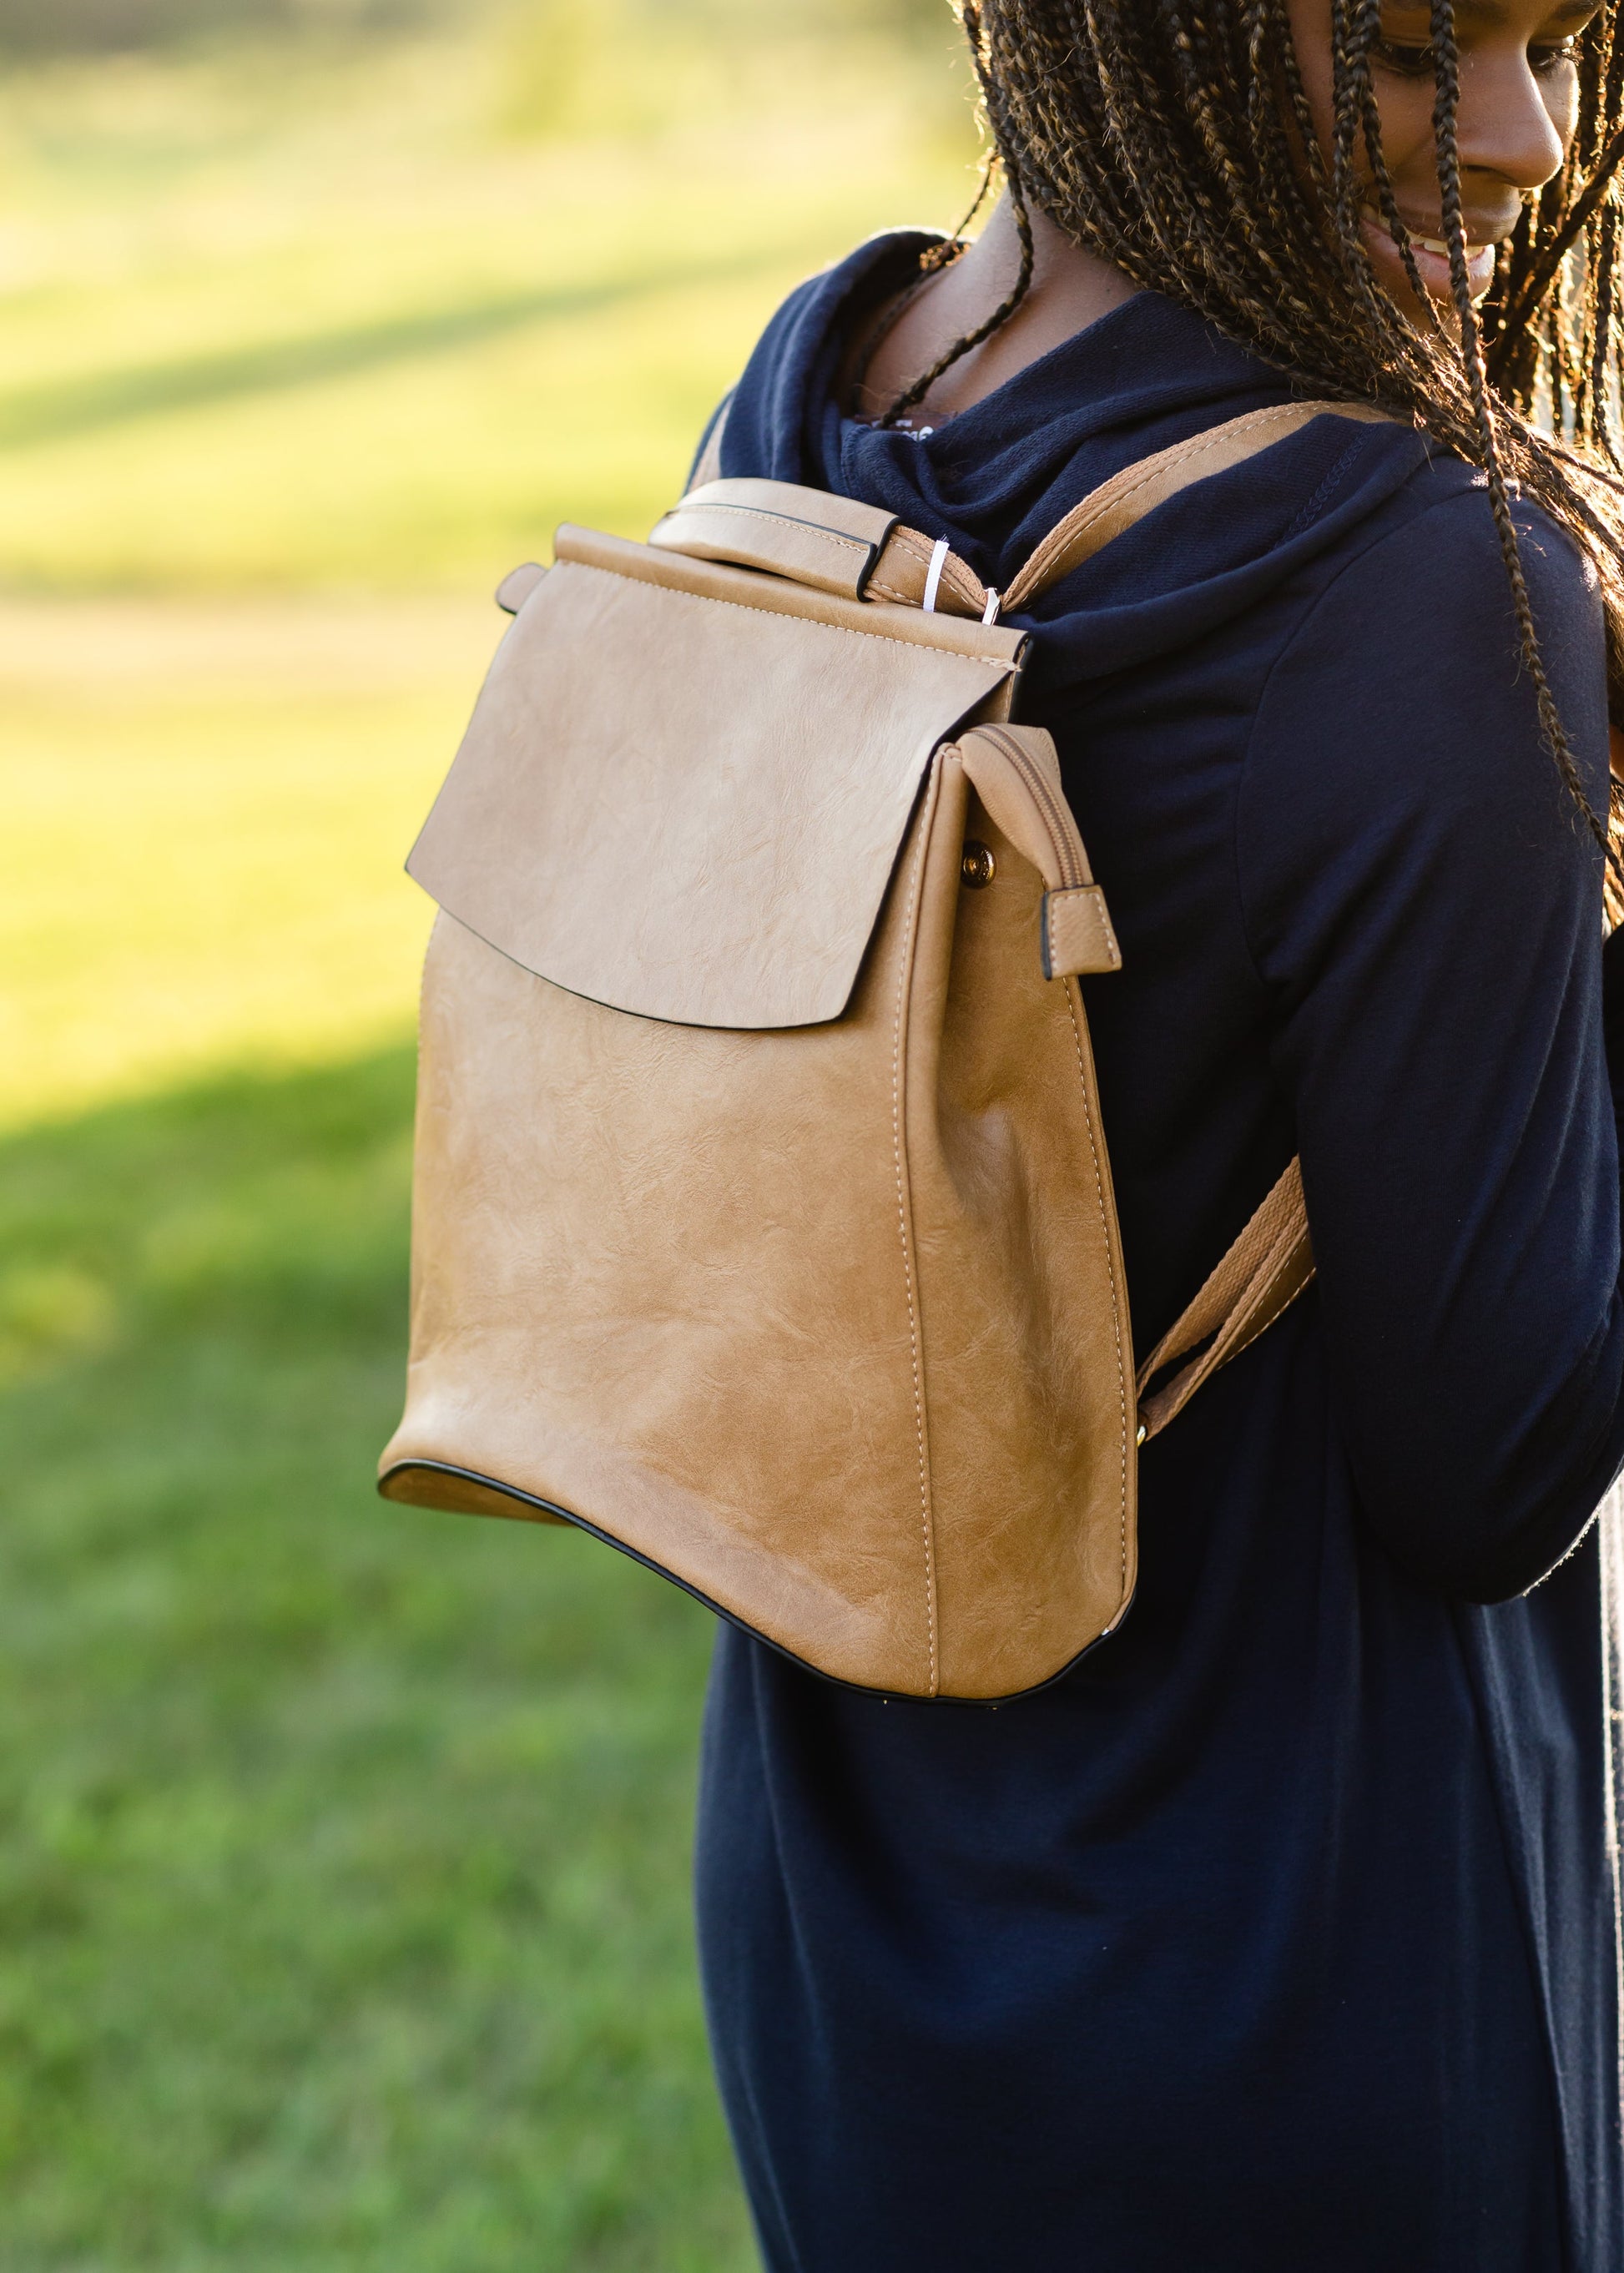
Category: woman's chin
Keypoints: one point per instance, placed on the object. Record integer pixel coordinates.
(1431, 268)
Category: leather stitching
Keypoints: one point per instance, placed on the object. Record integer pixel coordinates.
(1248, 1254)
(903, 981)
(956, 577)
(1074, 999)
(1034, 577)
(1211, 1362)
(776, 520)
(1083, 899)
(1295, 1294)
(1061, 821)
(1100, 508)
(1057, 547)
(956, 574)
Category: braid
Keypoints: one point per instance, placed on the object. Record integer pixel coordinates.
(1355, 24)
(996, 322)
(1596, 426)
(1444, 114)
(1022, 285)
(1361, 99)
(1175, 140)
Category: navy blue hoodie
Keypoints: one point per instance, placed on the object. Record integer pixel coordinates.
(1279, 1935)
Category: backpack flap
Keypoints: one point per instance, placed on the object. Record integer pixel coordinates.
(828, 1324)
(684, 786)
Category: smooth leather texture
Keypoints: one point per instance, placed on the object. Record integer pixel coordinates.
(517, 585)
(1077, 937)
(834, 544)
(780, 595)
(692, 1285)
(869, 525)
(762, 1220)
(903, 573)
(829, 543)
(621, 832)
(1265, 1270)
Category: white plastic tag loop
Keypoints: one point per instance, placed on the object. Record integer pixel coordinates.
(933, 581)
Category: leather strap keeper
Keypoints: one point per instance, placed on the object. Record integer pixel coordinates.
(903, 571)
(1077, 937)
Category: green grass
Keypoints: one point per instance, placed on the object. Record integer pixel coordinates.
(389, 344)
(343, 1849)
(205, 828)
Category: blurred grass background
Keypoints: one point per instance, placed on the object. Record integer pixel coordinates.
(343, 1850)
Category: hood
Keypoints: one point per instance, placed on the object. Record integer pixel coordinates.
(997, 478)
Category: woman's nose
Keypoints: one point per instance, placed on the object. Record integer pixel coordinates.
(1505, 126)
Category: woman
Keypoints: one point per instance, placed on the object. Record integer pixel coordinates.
(1280, 1934)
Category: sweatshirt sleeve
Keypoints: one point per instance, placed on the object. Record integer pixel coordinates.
(1422, 900)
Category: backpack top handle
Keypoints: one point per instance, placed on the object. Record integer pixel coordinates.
(836, 544)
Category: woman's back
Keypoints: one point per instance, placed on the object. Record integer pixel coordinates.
(1272, 1935)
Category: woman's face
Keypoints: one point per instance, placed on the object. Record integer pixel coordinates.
(1519, 99)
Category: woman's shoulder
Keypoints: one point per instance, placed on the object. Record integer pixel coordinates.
(1433, 562)
(1399, 700)
(1344, 521)
(1308, 523)
(1439, 529)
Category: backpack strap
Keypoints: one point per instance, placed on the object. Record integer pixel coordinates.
(774, 526)
(1263, 1273)
(735, 520)
(1113, 508)
(833, 544)
(1272, 1261)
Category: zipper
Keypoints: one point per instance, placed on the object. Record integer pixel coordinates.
(1056, 817)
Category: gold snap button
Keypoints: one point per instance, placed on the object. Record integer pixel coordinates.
(979, 868)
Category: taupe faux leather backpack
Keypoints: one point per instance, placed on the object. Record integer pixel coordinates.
(762, 1220)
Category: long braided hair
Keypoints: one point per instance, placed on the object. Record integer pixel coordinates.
(1174, 137)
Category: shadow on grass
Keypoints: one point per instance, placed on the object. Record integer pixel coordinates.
(69, 407)
(343, 1849)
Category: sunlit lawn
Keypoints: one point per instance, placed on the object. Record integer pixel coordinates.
(343, 1850)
